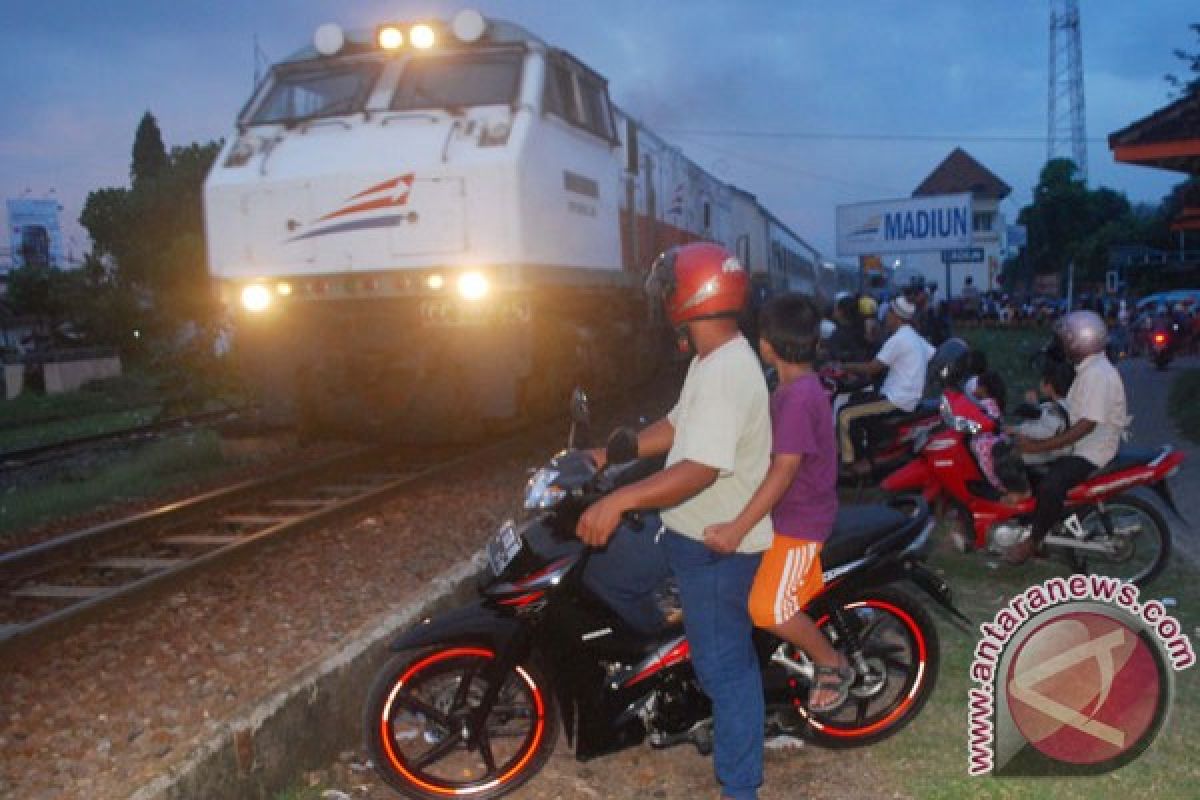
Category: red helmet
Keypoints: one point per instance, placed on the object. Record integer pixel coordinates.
(698, 281)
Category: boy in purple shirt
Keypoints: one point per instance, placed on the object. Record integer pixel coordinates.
(799, 491)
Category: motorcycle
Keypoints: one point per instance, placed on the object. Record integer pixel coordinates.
(1103, 523)
(1161, 347)
(888, 438)
(473, 702)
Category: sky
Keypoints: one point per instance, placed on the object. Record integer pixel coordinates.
(806, 104)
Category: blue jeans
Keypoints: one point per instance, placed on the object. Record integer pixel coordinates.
(627, 573)
(714, 590)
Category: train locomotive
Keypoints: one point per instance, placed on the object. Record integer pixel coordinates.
(434, 229)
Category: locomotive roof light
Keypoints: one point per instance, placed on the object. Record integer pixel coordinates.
(390, 37)
(421, 36)
(255, 298)
(468, 25)
(329, 39)
(473, 285)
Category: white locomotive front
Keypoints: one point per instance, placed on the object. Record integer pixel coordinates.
(431, 229)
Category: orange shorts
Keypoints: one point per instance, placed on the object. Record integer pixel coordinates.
(788, 577)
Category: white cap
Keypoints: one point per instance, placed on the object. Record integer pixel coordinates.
(903, 308)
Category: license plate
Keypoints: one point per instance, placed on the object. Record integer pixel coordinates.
(503, 547)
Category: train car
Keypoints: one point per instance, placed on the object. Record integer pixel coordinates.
(794, 265)
(436, 228)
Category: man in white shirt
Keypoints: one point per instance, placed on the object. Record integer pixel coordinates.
(904, 356)
(1098, 418)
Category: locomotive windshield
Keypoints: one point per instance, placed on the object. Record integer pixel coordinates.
(459, 81)
(308, 94)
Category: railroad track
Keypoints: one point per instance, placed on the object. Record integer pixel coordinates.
(75, 575)
(28, 456)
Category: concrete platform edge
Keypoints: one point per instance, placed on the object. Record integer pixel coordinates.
(308, 723)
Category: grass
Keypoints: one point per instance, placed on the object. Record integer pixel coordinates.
(930, 759)
(126, 392)
(1182, 403)
(145, 472)
(75, 427)
(1009, 352)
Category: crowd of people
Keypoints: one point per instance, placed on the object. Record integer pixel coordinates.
(855, 321)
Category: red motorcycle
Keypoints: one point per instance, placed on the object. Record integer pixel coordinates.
(889, 438)
(1105, 526)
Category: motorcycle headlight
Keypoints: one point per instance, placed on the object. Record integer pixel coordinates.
(968, 426)
(540, 491)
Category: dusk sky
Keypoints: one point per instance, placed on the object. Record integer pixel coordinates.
(806, 104)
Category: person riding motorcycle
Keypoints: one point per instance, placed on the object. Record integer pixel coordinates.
(904, 356)
(849, 339)
(1098, 419)
(718, 443)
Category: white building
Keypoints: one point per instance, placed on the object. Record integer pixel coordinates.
(35, 235)
(959, 172)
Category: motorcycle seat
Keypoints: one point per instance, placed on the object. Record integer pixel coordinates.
(857, 528)
(1127, 457)
(925, 408)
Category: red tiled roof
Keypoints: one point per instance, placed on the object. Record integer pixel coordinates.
(959, 172)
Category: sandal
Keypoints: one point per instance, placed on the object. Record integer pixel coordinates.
(835, 679)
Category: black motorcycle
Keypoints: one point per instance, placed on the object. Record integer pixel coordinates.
(473, 704)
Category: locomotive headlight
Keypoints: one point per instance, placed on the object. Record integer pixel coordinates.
(421, 36)
(390, 37)
(255, 298)
(435, 281)
(283, 288)
(472, 285)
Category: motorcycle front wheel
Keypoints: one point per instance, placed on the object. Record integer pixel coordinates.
(900, 645)
(430, 736)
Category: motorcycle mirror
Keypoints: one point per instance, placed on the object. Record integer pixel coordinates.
(622, 446)
(581, 415)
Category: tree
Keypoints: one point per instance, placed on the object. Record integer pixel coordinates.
(1184, 85)
(106, 215)
(1056, 219)
(1069, 223)
(149, 153)
(152, 235)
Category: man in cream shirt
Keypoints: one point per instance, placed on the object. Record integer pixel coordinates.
(1096, 402)
(718, 444)
(722, 420)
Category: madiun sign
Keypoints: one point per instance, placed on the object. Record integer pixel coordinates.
(911, 225)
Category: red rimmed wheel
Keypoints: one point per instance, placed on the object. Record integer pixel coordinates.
(429, 737)
(900, 645)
